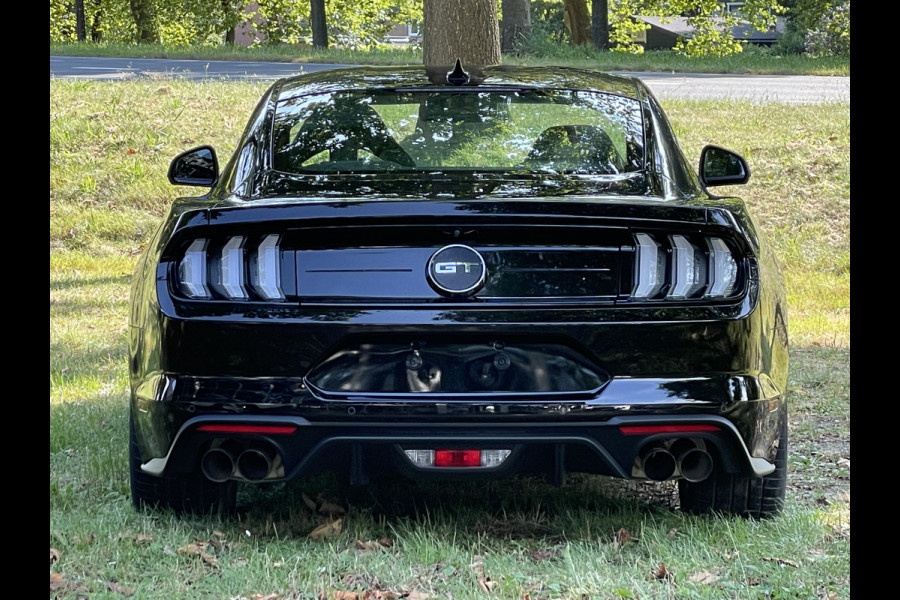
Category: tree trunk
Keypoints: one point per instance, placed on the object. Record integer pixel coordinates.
(578, 21)
(229, 31)
(145, 21)
(464, 29)
(516, 24)
(318, 24)
(80, 31)
(600, 24)
(96, 33)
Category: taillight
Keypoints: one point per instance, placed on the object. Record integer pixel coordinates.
(231, 270)
(265, 269)
(681, 267)
(651, 268)
(192, 273)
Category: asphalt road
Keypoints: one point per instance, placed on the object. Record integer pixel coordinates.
(790, 89)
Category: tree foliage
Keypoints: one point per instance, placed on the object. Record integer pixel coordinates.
(831, 36)
(351, 23)
(711, 24)
(820, 27)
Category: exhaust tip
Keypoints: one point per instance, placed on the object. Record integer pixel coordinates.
(659, 464)
(695, 465)
(217, 464)
(255, 464)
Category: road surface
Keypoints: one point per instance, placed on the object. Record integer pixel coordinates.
(791, 89)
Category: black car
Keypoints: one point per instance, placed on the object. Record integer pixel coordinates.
(458, 272)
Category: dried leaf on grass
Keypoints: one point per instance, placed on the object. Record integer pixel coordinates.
(663, 573)
(327, 530)
(57, 582)
(368, 545)
(703, 577)
(486, 584)
(324, 506)
(622, 536)
(380, 595)
(54, 555)
(782, 562)
(200, 549)
(366, 595)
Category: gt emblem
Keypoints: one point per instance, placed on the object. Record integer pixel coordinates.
(456, 270)
(451, 267)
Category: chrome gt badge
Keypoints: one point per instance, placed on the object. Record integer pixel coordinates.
(456, 270)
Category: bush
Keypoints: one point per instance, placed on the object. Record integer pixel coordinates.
(832, 36)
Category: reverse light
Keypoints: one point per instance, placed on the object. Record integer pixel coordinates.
(192, 270)
(265, 269)
(459, 458)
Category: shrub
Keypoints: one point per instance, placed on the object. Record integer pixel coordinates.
(832, 36)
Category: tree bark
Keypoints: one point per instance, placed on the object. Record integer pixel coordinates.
(318, 24)
(515, 25)
(464, 29)
(145, 21)
(578, 21)
(600, 24)
(230, 31)
(80, 31)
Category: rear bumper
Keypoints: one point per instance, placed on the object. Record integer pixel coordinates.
(292, 446)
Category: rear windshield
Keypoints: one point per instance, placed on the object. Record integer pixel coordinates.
(469, 130)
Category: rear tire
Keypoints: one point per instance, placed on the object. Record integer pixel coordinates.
(742, 495)
(182, 493)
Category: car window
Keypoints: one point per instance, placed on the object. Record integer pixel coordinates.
(497, 130)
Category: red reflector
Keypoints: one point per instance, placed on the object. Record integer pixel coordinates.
(266, 429)
(648, 429)
(457, 458)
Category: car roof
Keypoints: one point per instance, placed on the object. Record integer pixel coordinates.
(417, 76)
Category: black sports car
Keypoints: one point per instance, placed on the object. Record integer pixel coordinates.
(458, 273)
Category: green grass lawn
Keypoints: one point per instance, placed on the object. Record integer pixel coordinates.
(594, 538)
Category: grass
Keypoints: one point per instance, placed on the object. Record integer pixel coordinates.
(753, 60)
(110, 144)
